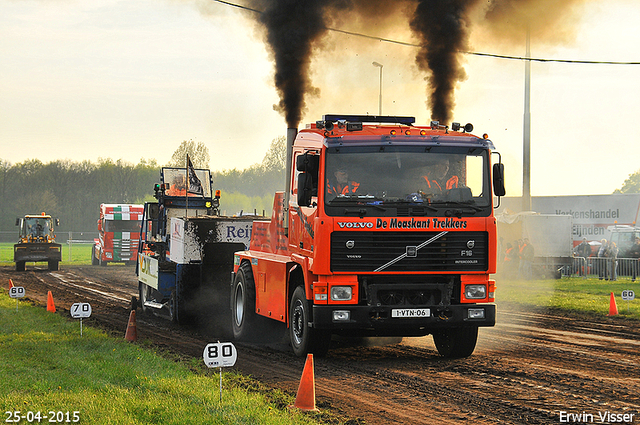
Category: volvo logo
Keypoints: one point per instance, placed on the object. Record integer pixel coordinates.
(471, 244)
(350, 244)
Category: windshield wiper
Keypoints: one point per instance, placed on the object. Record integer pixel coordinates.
(463, 205)
(403, 201)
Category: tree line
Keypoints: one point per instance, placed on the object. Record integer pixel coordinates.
(73, 191)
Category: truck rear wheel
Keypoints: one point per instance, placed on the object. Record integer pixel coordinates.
(456, 343)
(243, 302)
(304, 339)
(54, 265)
(20, 266)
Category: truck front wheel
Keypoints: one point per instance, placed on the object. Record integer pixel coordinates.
(243, 301)
(456, 343)
(94, 256)
(20, 266)
(144, 295)
(304, 339)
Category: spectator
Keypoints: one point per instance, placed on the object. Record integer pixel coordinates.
(528, 254)
(582, 251)
(634, 253)
(612, 261)
(604, 245)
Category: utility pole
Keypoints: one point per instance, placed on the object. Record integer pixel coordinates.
(379, 65)
(526, 144)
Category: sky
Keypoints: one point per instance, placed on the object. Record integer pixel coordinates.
(122, 79)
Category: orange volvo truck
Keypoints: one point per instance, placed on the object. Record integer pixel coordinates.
(384, 229)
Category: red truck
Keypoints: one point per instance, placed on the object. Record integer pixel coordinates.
(384, 229)
(119, 233)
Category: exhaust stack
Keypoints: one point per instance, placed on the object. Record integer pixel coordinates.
(291, 136)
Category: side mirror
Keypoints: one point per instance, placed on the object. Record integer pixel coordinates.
(498, 179)
(307, 163)
(18, 221)
(305, 189)
(57, 222)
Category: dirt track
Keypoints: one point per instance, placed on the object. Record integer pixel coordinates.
(528, 369)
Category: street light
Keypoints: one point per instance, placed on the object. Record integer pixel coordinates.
(379, 65)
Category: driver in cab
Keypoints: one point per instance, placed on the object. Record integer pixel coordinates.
(436, 178)
(340, 184)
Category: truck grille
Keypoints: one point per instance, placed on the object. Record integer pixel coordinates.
(123, 249)
(377, 251)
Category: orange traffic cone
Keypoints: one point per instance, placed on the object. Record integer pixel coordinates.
(50, 305)
(132, 332)
(10, 283)
(306, 397)
(613, 307)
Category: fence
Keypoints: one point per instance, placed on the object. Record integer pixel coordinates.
(603, 268)
(64, 238)
(61, 237)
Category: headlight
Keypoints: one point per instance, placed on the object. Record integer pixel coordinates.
(475, 313)
(341, 315)
(341, 293)
(475, 292)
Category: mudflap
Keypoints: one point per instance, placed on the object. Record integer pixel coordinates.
(207, 293)
(188, 277)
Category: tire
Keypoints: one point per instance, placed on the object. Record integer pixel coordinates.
(456, 343)
(244, 320)
(20, 266)
(303, 339)
(144, 291)
(94, 259)
(173, 307)
(54, 265)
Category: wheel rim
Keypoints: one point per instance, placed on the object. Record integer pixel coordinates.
(239, 306)
(297, 322)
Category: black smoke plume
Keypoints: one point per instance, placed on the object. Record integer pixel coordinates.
(292, 28)
(441, 26)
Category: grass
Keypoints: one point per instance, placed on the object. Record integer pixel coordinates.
(48, 367)
(80, 254)
(575, 294)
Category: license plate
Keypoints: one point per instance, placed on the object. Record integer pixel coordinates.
(410, 312)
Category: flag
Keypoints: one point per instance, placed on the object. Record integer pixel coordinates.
(194, 185)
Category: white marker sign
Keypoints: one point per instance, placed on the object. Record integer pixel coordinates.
(220, 354)
(16, 292)
(628, 295)
(81, 310)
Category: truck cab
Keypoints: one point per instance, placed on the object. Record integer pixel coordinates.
(118, 234)
(385, 229)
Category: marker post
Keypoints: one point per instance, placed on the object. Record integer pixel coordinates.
(16, 292)
(628, 295)
(220, 354)
(80, 311)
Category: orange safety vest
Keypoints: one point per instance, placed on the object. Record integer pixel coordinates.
(451, 183)
(351, 187)
(507, 256)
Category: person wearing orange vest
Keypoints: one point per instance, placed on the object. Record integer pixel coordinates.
(342, 186)
(435, 178)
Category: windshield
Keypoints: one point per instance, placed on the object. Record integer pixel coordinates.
(406, 175)
(122, 226)
(177, 179)
(38, 227)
